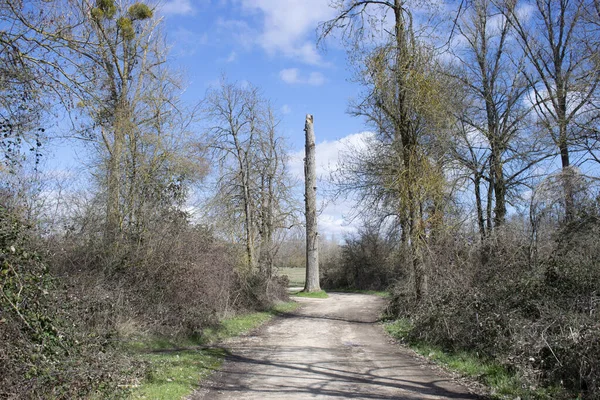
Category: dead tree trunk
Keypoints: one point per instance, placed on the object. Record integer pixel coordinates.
(310, 199)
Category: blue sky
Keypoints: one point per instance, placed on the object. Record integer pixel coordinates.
(272, 44)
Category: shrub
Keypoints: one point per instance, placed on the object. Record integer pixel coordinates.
(366, 262)
(535, 314)
(46, 349)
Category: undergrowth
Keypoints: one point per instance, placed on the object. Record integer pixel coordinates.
(503, 382)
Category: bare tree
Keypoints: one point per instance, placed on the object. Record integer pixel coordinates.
(491, 73)
(25, 68)
(252, 182)
(562, 72)
(104, 62)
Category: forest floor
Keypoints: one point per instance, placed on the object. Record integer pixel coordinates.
(328, 348)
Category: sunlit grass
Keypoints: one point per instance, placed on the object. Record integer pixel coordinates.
(379, 293)
(503, 383)
(321, 294)
(174, 374)
(176, 367)
(296, 276)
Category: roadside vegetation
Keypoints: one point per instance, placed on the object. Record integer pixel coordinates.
(502, 381)
(320, 294)
(477, 187)
(175, 367)
(111, 257)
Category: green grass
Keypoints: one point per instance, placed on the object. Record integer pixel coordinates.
(296, 276)
(173, 374)
(321, 294)
(379, 293)
(175, 367)
(503, 384)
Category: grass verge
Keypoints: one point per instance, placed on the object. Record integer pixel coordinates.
(175, 367)
(503, 383)
(321, 294)
(379, 293)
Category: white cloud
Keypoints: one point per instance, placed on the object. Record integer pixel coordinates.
(288, 27)
(177, 7)
(293, 76)
(525, 11)
(232, 57)
(289, 75)
(328, 154)
(332, 219)
(285, 109)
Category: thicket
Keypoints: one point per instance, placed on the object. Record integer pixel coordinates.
(47, 348)
(69, 307)
(532, 306)
(526, 298)
(86, 271)
(366, 261)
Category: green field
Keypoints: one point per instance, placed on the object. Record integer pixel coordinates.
(297, 276)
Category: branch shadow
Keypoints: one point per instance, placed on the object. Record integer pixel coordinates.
(315, 379)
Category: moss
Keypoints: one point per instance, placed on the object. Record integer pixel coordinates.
(139, 11)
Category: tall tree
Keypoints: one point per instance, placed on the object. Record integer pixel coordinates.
(490, 71)
(562, 72)
(104, 60)
(402, 100)
(116, 50)
(252, 183)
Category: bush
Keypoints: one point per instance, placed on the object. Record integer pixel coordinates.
(177, 281)
(366, 262)
(538, 315)
(46, 348)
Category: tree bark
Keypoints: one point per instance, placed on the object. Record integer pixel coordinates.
(478, 203)
(312, 240)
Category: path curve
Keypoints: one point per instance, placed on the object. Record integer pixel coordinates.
(329, 349)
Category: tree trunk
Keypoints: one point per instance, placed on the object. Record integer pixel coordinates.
(478, 203)
(113, 214)
(567, 171)
(312, 240)
(490, 197)
(497, 172)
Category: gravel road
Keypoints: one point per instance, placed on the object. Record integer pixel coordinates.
(329, 349)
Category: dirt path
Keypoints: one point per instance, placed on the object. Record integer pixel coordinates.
(329, 349)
